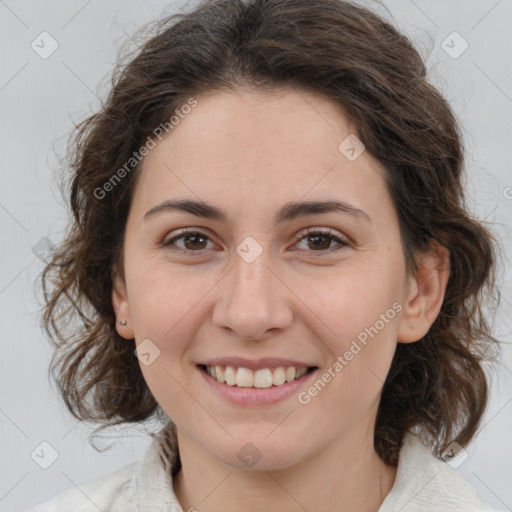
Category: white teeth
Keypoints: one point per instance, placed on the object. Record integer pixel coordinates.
(279, 376)
(220, 374)
(244, 378)
(230, 376)
(262, 378)
(290, 373)
(300, 372)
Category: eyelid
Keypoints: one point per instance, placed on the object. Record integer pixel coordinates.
(324, 231)
(184, 232)
(342, 241)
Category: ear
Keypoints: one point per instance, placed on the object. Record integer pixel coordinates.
(122, 307)
(425, 293)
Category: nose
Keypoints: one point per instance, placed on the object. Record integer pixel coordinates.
(253, 300)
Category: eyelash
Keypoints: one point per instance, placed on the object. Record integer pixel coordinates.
(301, 236)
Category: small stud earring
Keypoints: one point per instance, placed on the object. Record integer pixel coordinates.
(123, 322)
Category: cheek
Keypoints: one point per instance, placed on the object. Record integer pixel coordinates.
(352, 300)
(166, 302)
(361, 308)
(166, 310)
(349, 387)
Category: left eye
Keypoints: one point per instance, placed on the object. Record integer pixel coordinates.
(316, 240)
(322, 239)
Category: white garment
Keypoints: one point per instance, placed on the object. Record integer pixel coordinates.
(423, 484)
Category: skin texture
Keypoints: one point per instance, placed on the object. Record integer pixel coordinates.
(249, 153)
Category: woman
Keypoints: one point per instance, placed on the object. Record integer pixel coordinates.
(270, 252)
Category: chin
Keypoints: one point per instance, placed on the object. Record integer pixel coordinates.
(257, 452)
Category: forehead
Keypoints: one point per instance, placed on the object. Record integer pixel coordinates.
(279, 120)
(256, 146)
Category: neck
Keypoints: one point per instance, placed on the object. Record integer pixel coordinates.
(346, 476)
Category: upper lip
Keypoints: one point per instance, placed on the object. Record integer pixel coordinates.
(255, 364)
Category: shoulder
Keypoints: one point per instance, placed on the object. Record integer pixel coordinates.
(424, 482)
(96, 495)
(144, 486)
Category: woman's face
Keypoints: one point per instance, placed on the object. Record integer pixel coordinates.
(252, 289)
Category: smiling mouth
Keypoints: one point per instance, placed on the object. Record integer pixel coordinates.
(261, 379)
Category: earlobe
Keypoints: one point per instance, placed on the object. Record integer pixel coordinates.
(121, 308)
(425, 294)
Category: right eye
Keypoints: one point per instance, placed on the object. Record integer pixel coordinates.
(193, 241)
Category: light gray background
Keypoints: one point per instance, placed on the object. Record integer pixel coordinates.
(39, 101)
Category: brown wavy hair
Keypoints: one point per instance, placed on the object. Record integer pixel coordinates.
(350, 55)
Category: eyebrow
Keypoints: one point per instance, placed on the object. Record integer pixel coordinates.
(288, 212)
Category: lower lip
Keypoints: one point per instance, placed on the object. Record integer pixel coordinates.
(256, 396)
